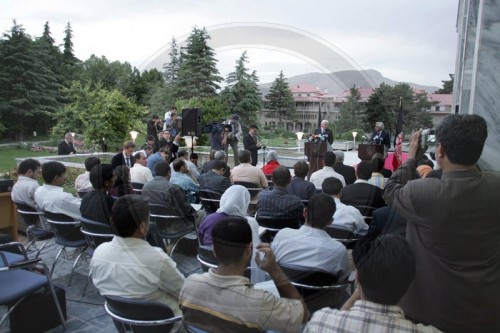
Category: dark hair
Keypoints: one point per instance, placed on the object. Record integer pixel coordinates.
(301, 169)
(162, 169)
(182, 153)
(281, 176)
(150, 138)
(27, 165)
(122, 174)
(364, 170)
(386, 267)
(128, 212)
(129, 144)
(230, 238)
(329, 158)
(178, 163)
(91, 162)
(217, 165)
(147, 147)
(99, 174)
(425, 161)
(462, 137)
(52, 169)
(155, 116)
(244, 156)
(194, 156)
(377, 162)
(253, 126)
(332, 186)
(320, 210)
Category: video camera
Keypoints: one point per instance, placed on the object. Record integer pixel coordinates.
(424, 136)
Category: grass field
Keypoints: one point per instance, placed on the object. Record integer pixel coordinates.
(8, 155)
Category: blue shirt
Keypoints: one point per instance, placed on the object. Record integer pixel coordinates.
(153, 160)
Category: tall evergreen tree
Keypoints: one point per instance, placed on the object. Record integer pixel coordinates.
(281, 100)
(198, 73)
(351, 112)
(171, 69)
(69, 60)
(242, 91)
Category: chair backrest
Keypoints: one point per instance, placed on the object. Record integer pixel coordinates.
(342, 234)
(95, 232)
(137, 187)
(277, 223)
(253, 189)
(169, 226)
(319, 289)
(66, 230)
(206, 257)
(140, 316)
(210, 200)
(29, 214)
(366, 211)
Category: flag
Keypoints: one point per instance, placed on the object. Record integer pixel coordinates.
(319, 115)
(398, 138)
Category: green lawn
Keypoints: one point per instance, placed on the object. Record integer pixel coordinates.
(8, 155)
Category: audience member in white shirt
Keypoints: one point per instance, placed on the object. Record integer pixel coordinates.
(139, 173)
(82, 182)
(29, 172)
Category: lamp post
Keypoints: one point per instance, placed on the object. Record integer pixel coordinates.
(299, 138)
(354, 140)
(133, 135)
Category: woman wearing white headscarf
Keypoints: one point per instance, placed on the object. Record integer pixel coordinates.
(234, 201)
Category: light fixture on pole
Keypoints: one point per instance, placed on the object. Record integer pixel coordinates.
(299, 138)
(354, 140)
(73, 134)
(133, 135)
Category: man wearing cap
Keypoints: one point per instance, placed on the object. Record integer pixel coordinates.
(234, 136)
(251, 143)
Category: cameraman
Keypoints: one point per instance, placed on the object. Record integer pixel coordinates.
(233, 136)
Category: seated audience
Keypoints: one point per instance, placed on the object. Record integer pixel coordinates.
(345, 215)
(385, 220)
(162, 155)
(148, 150)
(161, 191)
(424, 166)
(246, 172)
(51, 196)
(361, 194)
(23, 191)
(345, 170)
(82, 182)
(327, 171)
(278, 202)
(377, 178)
(194, 159)
(219, 155)
(151, 142)
(182, 178)
(234, 202)
(310, 247)
(214, 180)
(126, 157)
(173, 146)
(122, 183)
(96, 205)
(299, 186)
(128, 266)
(223, 300)
(385, 267)
(272, 162)
(139, 173)
(193, 170)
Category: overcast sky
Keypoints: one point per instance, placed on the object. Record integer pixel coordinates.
(405, 40)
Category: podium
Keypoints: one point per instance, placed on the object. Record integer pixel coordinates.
(366, 151)
(315, 151)
(8, 218)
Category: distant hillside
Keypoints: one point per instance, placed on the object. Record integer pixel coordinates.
(336, 83)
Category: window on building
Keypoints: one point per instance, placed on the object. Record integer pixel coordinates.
(438, 108)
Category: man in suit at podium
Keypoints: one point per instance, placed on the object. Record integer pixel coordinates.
(325, 131)
(66, 146)
(380, 136)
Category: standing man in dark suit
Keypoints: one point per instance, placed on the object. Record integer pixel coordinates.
(380, 136)
(251, 143)
(325, 131)
(126, 157)
(66, 146)
(361, 194)
(345, 170)
(214, 179)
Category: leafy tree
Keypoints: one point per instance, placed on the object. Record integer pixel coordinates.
(447, 86)
(99, 113)
(351, 112)
(198, 74)
(281, 100)
(242, 92)
(28, 88)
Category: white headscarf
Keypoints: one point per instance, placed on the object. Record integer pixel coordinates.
(235, 201)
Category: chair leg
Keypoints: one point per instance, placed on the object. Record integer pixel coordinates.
(89, 277)
(174, 246)
(82, 253)
(42, 247)
(54, 295)
(55, 261)
(10, 309)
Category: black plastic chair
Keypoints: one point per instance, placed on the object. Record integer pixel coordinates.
(32, 218)
(366, 211)
(17, 282)
(137, 187)
(275, 224)
(171, 228)
(342, 234)
(318, 289)
(253, 189)
(140, 316)
(210, 200)
(95, 233)
(67, 235)
(206, 257)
